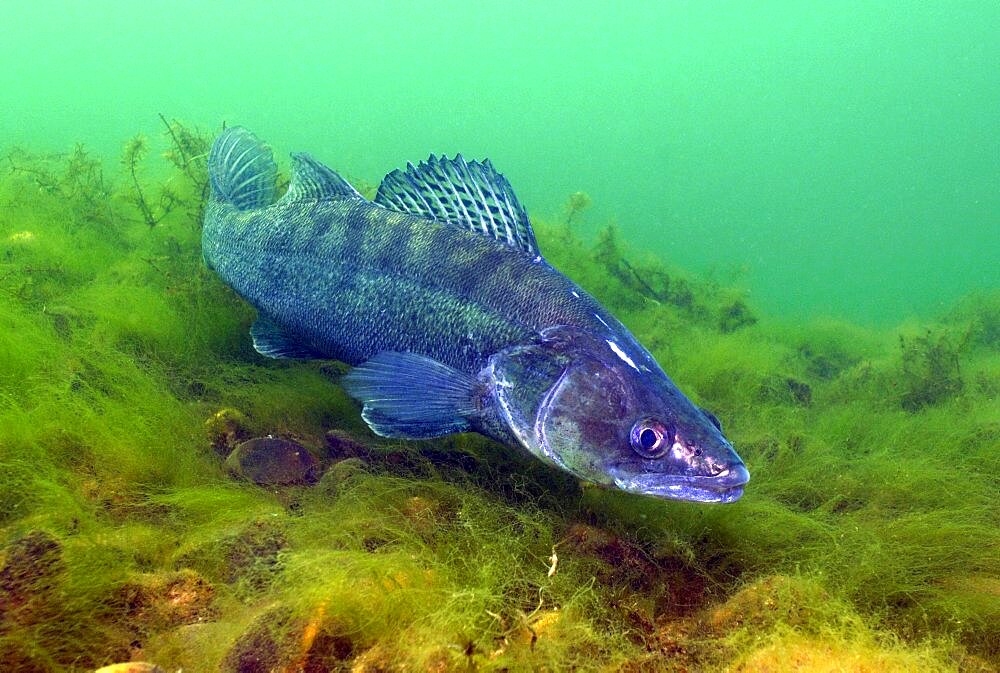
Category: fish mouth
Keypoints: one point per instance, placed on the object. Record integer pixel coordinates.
(727, 486)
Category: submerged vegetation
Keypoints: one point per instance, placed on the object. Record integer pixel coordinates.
(868, 539)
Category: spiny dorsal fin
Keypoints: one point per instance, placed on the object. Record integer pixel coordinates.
(313, 180)
(241, 169)
(467, 194)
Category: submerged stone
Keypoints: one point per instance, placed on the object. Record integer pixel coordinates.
(278, 640)
(167, 600)
(29, 574)
(735, 316)
(131, 667)
(778, 599)
(24, 658)
(272, 461)
(785, 390)
(627, 564)
(249, 558)
(341, 445)
(816, 655)
(340, 474)
(227, 428)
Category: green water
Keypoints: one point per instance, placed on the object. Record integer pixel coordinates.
(765, 166)
(834, 158)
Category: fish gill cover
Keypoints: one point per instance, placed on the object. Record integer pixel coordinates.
(169, 496)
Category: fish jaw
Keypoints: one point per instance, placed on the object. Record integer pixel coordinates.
(725, 487)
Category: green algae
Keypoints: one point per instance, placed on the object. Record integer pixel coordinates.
(870, 530)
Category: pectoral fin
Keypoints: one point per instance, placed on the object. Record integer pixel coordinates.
(411, 396)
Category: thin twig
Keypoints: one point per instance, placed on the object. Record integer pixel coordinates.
(147, 214)
(653, 294)
(177, 143)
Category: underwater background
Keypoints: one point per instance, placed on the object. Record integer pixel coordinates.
(794, 207)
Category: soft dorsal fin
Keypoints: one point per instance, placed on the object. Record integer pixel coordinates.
(468, 194)
(313, 180)
(241, 169)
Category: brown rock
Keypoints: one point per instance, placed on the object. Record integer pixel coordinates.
(772, 600)
(226, 429)
(248, 559)
(426, 514)
(813, 655)
(131, 667)
(376, 659)
(272, 461)
(627, 563)
(340, 473)
(280, 641)
(24, 657)
(29, 573)
(161, 601)
(341, 445)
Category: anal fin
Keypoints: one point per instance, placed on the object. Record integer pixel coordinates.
(271, 340)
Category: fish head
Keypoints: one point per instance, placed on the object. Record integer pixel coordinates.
(602, 409)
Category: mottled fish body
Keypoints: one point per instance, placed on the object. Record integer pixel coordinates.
(437, 293)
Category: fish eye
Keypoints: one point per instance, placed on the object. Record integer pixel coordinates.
(650, 438)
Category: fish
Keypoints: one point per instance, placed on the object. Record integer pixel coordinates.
(437, 295)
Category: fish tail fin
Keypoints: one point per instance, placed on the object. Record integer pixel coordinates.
(241, 169)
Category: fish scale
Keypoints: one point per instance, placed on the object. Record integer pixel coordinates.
(345, 259)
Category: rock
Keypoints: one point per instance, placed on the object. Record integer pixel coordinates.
(425, 514)
(131, 667)
(376, 659)
(277, 640)
(813, 655)
(735, 316)
(340, 473)
(627, 564)
(265, 646)
(24, 657)
(778, 599)
(785, 390)
(156, 602)
(272, 461)
(248, 559)
(29, 573)
(252, 555)
(226, 429)
(667, 583)
(341, 445)
(187, 647)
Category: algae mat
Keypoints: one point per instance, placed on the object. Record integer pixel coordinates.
(868, 539)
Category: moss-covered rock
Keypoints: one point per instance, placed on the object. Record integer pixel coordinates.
(273, 461)
(161, 601)
(226, 428)
(31, 569)
(277, 640)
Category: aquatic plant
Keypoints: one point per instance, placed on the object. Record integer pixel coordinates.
(189, 154)
(867, 540)
(930, 370)
(132, 155)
